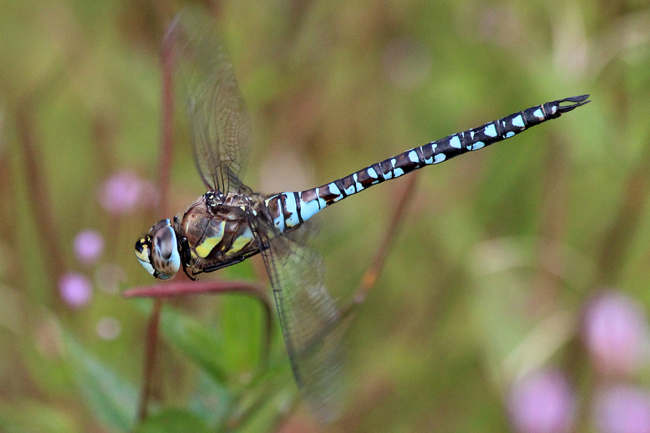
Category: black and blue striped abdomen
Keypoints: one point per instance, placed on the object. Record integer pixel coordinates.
(290, 209)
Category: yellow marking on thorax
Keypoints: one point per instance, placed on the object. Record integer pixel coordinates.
(206, 247)
(242, 240)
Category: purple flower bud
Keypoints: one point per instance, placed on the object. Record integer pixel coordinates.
(622, 409)
(108, 277)
(75, 289)
(614, 330)
(88, 246)
(150, 194)
(124, 192)
(542, 402)
(108, 328)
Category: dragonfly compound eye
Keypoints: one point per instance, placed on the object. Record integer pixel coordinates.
(143, 253)
(158, 252)
(165, 257)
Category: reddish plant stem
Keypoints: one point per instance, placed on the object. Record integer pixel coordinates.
(149, 358)
(164, 169)
(189, 288)
(9, 206)
(167, 57)
(38, 195)
(369, 278)
(186, 287)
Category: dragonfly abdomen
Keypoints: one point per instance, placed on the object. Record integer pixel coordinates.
(290, 209)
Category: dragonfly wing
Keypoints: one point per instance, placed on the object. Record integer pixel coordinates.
(219, 122)
(309, 318)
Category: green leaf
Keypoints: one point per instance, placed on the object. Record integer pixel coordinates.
(241, 322)
(196, 341)
(111, 397)
(173, 421)
(33, 416)
(210, 402)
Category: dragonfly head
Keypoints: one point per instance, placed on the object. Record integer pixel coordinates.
(158, 251)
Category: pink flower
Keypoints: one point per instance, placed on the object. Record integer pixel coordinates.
(614, 332)
(622, 409)
(75, 289)
(542, 403)
(88, 246)
(125, 191)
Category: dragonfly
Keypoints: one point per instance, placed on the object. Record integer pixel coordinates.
(230, 222)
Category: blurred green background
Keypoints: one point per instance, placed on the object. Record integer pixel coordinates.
(499, 255)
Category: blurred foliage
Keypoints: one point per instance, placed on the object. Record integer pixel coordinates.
(501, 250)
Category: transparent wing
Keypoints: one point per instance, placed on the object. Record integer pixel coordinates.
(219, 123)
(309, 319)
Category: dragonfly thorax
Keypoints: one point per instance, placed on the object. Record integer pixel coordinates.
(214, 232)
